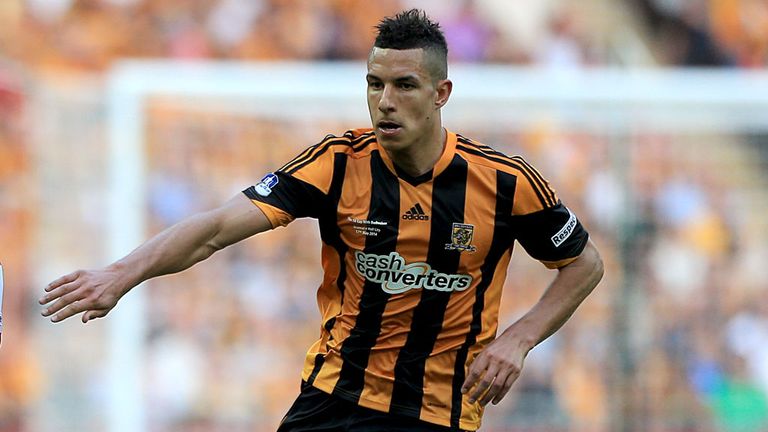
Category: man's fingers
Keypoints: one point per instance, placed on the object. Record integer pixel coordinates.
(496, 388)
(62, 302)
(506, 387)
(481, 388)
(63, 280)
(470, 381)
(80, 291)
(93, 314)
(484, 384)
(475, 372)
(60, 291)
(72, 309)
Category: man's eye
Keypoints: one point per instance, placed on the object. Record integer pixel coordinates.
(407, 86)
(374, 85)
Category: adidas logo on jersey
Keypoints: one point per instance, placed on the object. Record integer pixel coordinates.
(416, 213)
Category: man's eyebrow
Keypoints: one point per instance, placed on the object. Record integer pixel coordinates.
(409, 77)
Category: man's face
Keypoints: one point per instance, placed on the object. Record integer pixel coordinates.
(402, 98)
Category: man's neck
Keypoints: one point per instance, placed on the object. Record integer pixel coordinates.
(421, 157)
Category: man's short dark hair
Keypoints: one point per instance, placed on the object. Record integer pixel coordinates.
(413, 29)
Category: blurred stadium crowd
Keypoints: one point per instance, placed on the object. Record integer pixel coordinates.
(91, 34)
(675, 338)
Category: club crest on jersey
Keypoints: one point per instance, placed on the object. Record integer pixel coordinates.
(264, 187)
(461, 238)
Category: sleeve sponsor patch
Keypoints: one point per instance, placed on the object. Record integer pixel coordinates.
(566, 230)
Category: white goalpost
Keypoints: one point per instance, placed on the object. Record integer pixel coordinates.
(484, 96)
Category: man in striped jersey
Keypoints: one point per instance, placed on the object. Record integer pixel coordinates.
(417, 226)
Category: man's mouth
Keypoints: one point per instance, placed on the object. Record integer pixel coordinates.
(389, 127)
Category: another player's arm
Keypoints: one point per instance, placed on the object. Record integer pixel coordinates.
(499, 365)
(177, 248)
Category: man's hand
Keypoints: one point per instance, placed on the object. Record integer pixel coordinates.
(498, 366)
(93, 292)
(495, 370)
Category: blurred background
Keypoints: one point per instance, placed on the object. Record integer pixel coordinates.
(648, 117)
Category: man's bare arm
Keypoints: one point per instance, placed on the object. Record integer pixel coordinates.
(498, 366)
(177, 248)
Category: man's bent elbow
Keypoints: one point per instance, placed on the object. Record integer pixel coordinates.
(589, 266)
(594, 261)
(599, 270)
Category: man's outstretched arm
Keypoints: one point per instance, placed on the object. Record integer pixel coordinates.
(177, 248)
(498, 366)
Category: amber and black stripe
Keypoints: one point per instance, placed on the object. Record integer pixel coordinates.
(331, 235)
(448, 199)
(505, 190)
(385, 196)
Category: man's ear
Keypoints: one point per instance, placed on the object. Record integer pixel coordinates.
(444, 88)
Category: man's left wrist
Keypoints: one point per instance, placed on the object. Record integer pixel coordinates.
(523, 340)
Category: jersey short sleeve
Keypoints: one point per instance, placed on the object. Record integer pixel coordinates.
(298, 189)
(548, 230)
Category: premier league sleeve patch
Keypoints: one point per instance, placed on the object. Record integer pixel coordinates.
(293, 196)
(264, 187)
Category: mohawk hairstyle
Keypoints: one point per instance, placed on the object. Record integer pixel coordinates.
(412, 29)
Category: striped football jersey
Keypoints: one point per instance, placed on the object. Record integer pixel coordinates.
(413, 266)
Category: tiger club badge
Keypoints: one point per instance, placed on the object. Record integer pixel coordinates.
(461, 238)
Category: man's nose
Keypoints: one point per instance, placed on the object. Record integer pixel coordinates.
(386, 102)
